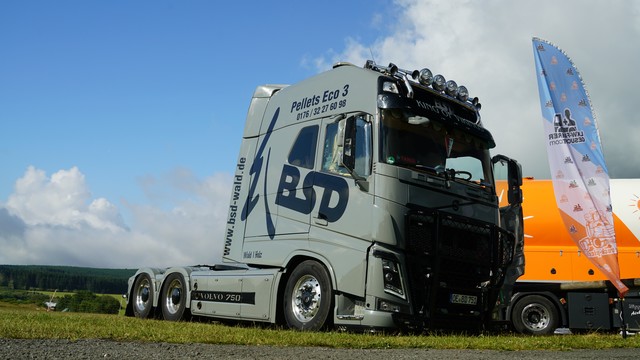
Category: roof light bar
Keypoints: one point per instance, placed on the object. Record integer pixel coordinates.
(424, 77)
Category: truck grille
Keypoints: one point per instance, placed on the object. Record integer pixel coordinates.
(452, 257)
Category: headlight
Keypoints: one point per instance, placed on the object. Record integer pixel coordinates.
(463, 93)
(451, 88)
(425, 77)
(439, 82)
(392, 278)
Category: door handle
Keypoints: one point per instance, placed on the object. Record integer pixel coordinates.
(321, 220)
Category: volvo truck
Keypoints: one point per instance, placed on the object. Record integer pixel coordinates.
(363, 198)
(560, 287)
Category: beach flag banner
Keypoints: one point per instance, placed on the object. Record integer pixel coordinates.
(580, 176)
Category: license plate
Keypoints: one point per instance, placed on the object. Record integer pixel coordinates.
(464, 299)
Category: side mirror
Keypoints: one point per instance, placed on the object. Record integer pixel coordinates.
(348, 135)
(514, 178)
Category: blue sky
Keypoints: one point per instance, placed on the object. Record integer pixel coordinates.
(120, 121)
(128, 89)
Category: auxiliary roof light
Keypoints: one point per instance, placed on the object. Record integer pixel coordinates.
(439, 82)
(425, 77)
(463, 93)
(451, 88)
(393, 69)
(391, 87)
(476, 103)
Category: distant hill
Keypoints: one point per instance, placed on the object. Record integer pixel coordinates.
(65, 278)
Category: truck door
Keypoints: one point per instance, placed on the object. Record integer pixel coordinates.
(342, 210)
(294, 197)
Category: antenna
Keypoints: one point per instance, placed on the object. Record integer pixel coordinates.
(372, 57)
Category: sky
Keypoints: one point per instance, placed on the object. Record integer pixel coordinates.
(120, 121)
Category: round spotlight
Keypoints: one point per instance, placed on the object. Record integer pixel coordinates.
(463, 93)
(393, 69)
(451, 88)
(426, 77)
(439, 82)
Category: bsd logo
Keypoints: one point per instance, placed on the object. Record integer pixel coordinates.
(288, 186)
(289, 180)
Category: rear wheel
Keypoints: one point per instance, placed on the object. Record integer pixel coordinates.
(142, 296)
(173, 298)
(308, 297)
(535, 315)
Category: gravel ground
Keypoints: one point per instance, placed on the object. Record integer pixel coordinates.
(103, 349)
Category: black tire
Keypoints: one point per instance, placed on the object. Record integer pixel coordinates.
(173, 298)
(142, 296)
(308, 297)
(534, 315)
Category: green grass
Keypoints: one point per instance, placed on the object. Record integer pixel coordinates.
(25, 322)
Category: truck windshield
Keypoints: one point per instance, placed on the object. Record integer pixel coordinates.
(428, 145)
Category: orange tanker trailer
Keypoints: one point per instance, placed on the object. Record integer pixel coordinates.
(560, 286)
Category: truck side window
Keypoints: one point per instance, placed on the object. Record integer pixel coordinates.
(304, 148)
(332, 153)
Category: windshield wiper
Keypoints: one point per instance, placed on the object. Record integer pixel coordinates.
(452, 174)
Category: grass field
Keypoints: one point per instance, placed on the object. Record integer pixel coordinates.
(28, 322)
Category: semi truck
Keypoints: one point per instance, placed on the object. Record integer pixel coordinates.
(362, 198)
(560, 287)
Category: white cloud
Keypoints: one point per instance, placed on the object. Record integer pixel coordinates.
(193, 226)
(62, 201)
(55, 221)
(486, 45)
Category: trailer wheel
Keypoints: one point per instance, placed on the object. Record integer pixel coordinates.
(173, 297)
(535, 315)
(142, 296)
(308, 297)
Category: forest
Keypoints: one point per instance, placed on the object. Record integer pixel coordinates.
(64, 278)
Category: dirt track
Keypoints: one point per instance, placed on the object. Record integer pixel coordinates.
(94, 349)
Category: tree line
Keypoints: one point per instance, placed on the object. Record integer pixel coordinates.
(64, 278)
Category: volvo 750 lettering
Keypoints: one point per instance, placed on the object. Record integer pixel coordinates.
(362, 198)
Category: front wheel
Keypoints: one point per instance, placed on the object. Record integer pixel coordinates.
(534, 315)
(308, 297)
(142, 296)
(173, 298)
